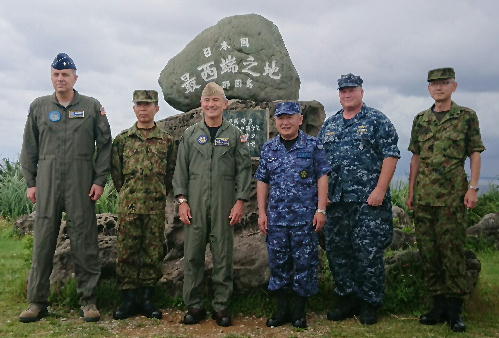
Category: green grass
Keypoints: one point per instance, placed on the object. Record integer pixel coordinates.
(482, 310)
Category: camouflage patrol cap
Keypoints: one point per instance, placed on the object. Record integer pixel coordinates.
(287, 108)
(441, 73)
(349, 80)
(145, 95)
(213, 89)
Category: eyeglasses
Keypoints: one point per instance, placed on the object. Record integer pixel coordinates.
(437, 83)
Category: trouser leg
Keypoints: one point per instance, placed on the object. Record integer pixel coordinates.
(280, 257)
(45, 231)
(222, 248)
(83, 233)
(194, 251)
(339, 248)
(152, 249)
(128, 246)
(304, 252)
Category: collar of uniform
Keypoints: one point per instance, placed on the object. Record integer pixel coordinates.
(453, 112)
(75, 100)
(300, 143)
(134, 130)
(223, 126)
(363, 111)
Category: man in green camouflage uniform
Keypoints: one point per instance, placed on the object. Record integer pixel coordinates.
(143, 161)
(211, 182)
(65, 160)
(442, 137)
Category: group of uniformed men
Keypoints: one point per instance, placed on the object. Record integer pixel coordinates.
(338, 181)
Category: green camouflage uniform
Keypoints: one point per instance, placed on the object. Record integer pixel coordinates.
(58, 159)
(213, 175)
(142, 167)
(439, 192)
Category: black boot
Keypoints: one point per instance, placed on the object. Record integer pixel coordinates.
(345, 307)
(438, 312)
(194, 316)
(128, 306)
(298, 312)
(281, 316)
(147, 307)
(368, 313)
(454, 318)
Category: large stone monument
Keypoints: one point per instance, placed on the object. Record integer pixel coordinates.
(245, 54)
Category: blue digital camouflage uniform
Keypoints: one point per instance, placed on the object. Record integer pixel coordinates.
(356, 233)
(292, 242)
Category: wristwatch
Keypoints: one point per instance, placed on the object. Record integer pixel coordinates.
(474, 187)
(181, 200)
(320, 211)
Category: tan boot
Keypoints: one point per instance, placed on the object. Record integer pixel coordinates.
(90, 313)
(34, 313)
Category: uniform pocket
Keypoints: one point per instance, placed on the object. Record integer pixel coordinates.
(426, 143)
(455, 147)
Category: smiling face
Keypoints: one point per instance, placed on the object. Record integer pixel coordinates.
(288, 125)
(441, 90)
(213, 106)
(145, 112)
(351, 98)
(63, 80)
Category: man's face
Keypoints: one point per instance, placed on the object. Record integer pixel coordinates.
(441, 90)
(145, 111)
(213, 106)
(288, 125)
(351, 97)
(63, 80)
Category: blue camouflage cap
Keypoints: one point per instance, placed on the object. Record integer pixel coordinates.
(349, 80)
(63, 61)
(287, 108)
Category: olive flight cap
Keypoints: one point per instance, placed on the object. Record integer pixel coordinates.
(213, 89)
(145, 95)
(441, 74)
(287, 108)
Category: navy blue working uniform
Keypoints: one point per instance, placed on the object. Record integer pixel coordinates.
(357, 233)
(292, 242)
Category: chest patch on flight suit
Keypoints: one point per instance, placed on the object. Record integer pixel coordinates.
(76, 114)
(304, 154)
(222, 141)
(304, 174)
(55, 116)
(202, 139)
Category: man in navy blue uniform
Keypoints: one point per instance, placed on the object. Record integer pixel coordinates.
(294, 170)
(361, 144)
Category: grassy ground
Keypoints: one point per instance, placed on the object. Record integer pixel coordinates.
(482, 311)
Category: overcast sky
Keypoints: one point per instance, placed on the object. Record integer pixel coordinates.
(120, 45)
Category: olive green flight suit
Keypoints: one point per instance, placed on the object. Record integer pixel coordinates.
(58, 159)
(441, 184)
(213, 175)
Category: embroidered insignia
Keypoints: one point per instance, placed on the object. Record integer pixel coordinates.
(202, 139)
(303, 174)
(55, 116)
(222, 141)
(244, 138)
(76, 114)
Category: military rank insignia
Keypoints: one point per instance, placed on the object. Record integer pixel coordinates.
(303, 174)
(76, 114)
(55, 116)
(222, 141)
(202, 139)
(361, 130)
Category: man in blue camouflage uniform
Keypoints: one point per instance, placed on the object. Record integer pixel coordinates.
(361, 144)
(294, 168)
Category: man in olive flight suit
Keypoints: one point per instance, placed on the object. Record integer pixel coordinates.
(65, 159)
(211, 181)
(143, 161)
(442, 137)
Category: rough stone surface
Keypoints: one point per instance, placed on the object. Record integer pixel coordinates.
(400, 217)
(24, 224)
(257, 69)
(402, 240)
(487, 229)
